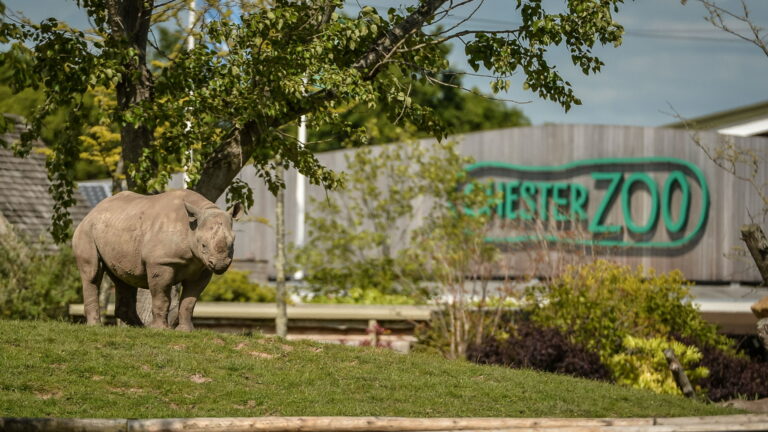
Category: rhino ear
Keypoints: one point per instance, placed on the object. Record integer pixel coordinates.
(193, 213)
(236, 210)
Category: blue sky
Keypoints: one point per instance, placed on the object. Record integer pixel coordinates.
(670, 56)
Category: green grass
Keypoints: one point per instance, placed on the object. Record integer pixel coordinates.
(68, 370)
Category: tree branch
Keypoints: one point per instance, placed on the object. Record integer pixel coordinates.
(383, 47)
(233, 153)
(227, 160)
(716, 19)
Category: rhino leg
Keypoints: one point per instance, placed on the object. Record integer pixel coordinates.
(125, 303)
(91, 272)
(189, 296)
(160, 280)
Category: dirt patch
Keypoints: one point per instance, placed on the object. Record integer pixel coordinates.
(45, 395)
(241, 345)
(199, 379)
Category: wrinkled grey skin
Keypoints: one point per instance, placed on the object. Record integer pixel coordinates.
(152, 242)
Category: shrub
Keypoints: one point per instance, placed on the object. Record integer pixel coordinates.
(731, 376)
(602, 303)
(364, 296)
(530, 345)
(642, 364)
(36, 280)
(234, 286)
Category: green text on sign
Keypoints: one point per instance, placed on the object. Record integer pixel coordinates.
(525, 200)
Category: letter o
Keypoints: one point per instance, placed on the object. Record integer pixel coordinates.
(625, 202)
(666, 212)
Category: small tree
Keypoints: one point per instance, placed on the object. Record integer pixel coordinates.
(460, 261)
(401, 226)
(360, 237)
(745, 164)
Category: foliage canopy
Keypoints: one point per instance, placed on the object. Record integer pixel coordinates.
(253, 73)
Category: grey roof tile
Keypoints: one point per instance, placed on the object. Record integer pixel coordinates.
(24, 198)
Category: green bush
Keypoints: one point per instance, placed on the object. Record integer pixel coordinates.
(361, 237)
(234, 286)
(36, 280)
(642, 364)
(602, 303)
(364, 296)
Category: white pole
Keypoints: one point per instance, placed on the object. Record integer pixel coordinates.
(190, 45)
(191, 25)
(301, 187)
(301, 194)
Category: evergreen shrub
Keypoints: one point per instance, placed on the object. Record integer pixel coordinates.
(37, 281)
(602, 303)
(642, 364)
(234, 286)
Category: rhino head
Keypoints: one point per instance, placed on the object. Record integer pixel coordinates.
(213, 242)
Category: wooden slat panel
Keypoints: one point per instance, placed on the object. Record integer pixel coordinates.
(732, 201)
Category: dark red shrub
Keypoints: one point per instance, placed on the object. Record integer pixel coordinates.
(731, 377)
(545, 349)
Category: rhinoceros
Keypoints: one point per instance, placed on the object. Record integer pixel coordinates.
(152, 242)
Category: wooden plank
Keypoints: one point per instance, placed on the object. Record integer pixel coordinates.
(366, 424)
(750, 422)
(235, 310)
(724, 419)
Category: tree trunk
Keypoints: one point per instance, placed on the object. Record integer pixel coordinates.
(144, 305)
(129, 22)
(762, 332)
(678, 373)
(757, 244)
(754, 237)
(281, 319)
(227, 161)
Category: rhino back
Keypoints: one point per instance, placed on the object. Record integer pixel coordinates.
(132, 231)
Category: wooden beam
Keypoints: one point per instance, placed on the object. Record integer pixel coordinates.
(749, 422)
(236, 310)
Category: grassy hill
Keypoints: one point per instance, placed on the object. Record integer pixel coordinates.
(67, 370)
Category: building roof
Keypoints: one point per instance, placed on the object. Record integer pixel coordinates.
(749, 120)
(95, 191)
(24, 199)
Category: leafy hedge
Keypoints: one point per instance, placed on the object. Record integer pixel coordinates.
(642, 364)
(234, 286)
(36, 280)
(608, 321)
(602, 303)
(368, 296)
